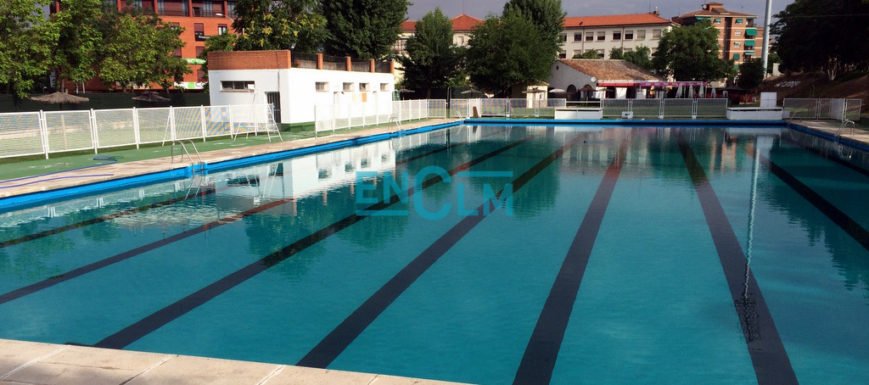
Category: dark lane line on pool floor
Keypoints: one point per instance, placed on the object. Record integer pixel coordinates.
(538, 361)
(163, 316)
(135, 210)
(845, 222)
(57, 279)
(347, 331)
(768, 355)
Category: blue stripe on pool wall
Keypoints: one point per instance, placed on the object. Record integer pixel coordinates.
(768, 355)
(631, 123)
(538, 361)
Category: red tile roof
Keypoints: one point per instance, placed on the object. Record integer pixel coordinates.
(461, 23)
(610, 69)
(614, 20)
(717, 11)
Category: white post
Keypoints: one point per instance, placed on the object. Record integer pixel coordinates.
(694, 110)
(172, 124)
(766, 28)
(43, 133)
(202, 121)
(136, 134)
(94, 135)
(231, 124)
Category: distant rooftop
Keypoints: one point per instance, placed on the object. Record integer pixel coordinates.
(610, 69)
(461, 23)
(615, 20)
(714, 10)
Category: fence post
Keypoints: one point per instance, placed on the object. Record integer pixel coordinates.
(231, 124)
(661, 103)
(136, 135)
(817, 109)
(43, 133)
(202, 121)
(172, 124)
(94, 135)
(694, 110)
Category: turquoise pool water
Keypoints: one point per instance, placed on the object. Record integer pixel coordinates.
(622, 256)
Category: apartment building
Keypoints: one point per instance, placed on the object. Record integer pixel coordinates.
(462, 27)
(739, 36)
(199, 18)
(603, 33)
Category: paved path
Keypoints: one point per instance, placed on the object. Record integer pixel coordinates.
(129, 169)
(832, 127)
(49, 364)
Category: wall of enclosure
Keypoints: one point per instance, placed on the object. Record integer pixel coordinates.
(518, 108)
(666, 108)
(349, 115)
(816, 109)
(48, 132)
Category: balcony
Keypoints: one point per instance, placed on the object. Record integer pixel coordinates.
(200, 36)
(172, 13)
(199, 12)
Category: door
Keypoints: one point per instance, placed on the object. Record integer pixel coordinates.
(274, 98)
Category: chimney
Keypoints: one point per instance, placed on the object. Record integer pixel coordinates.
(656, 13)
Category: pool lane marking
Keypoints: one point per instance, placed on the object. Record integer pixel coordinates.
(845, 222)
(163, 316)
(135, 210)
(54, 280)
(538, 361)
(768, 356)
(347, 331)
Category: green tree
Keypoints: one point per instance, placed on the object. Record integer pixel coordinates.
(26, 43)
(138, 50)
(224, 42)
(750, 74)
(507, 51)
(641, 56)
(831, 43)
(75, 55)
(281, 24)
(432, 60)
(617, 54)
(364, 29)
(691, 53)
(547, 15)
(588, 54)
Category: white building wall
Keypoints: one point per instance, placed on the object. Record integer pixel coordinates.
(563, 76)
(298, 89)
(571, 46)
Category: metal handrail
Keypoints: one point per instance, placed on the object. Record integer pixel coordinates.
(189, 157)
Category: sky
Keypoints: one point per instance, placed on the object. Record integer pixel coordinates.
(668, 8)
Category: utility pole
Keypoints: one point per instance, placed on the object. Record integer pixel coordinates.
(766, 31)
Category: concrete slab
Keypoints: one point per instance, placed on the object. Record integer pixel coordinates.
(393, 380)
(297, 375)
(199, 370)
(13, 354)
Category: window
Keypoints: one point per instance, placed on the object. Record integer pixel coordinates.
(736, 56)
(199, 50)
(641, 34)
(717, 21)
(322, 86)
(737, 44)
(564, 38)
(199, 31)
(237, 85)
(222, 29)
(738, 21)
(629, 35)
(601, 53)
(577, 36)
(348, 87)
(577, 53)
(738, 33)
(656, 34)
(384, 87)
(617, 36)
(200, 76)
(177, 52)
(562, 55)
(589, 36)
(601, 35)
(364, 87)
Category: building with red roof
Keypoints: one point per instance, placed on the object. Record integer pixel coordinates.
(738, 34)
(462, 27)
(603, 33)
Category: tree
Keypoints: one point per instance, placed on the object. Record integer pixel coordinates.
(364, 29)
(588, 54)
(617, 54)
(432, 60)
(277, 25)
(750, 74)
(507, 51)
(641, 56)
(26, 43)
(79, 40)
(810, 43)
(691, 53)
(547, 15)
(223, 42)
(138, 50)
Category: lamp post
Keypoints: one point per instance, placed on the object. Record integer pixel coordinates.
(766, 29)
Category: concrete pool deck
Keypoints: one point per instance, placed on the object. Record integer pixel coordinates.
(75, 178)
(49, 364)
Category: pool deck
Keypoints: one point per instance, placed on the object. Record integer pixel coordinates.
(830, 128)
(130, 169)
(49, 364)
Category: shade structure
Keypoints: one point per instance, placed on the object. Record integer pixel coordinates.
(557, 91)
(471, 91)
(405, 91)
(59, 98)
(534, 90)
(151, 97)
(679, 92)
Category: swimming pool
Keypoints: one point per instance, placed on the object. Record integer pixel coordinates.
(623, 255)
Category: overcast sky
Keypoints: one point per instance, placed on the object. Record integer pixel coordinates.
(668, 8)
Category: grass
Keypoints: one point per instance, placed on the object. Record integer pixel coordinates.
(11, 168)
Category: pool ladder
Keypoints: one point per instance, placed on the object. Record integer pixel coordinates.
(397, 124)
(189, 157)
(845, 123)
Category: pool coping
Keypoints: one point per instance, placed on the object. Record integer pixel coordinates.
(23, 362)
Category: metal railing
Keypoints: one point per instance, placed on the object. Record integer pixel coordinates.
(665, 108)
(363, 114)
(820, 109)
(49, 132)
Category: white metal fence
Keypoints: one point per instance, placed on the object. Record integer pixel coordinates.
(349, 115)
(666, 108)
(497, 107)
(48, 132)
(836, 109)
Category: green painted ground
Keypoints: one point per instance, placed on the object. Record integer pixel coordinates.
(36, 165)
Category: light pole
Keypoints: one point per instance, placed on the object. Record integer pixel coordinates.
(766, 30)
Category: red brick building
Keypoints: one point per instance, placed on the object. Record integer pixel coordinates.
(739, 36)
